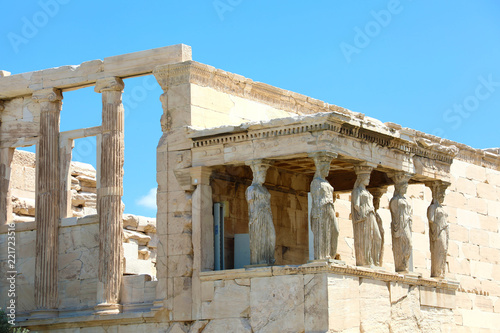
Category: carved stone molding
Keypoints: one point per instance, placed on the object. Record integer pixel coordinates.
(109, 84)
(47, 95)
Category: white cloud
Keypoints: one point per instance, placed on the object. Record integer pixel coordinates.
(149, 200)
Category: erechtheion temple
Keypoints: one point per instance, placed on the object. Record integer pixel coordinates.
(277, 212)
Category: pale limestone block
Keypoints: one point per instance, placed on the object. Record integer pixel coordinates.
(150, 291)
(343, 302)
(470, 251)
(130, 221)
(481, 269)
(84, 199)
(484, 303)
(374, 305)
(488, 254)
(464, 300)
(459, 266)
(138, 266)
(181, 265)
(277, 304)
(493, 177)
(179, 202)
(466, 186)
(141, 238)
(477, 205)
(82, 169)
(233, 325)
(182, 298)
(207, 291)
(493, 208)
(455, 199)
(479, 237)
(315, 303)
(405, 309)
(23, 206)
(153, 243)
(229, 301)
(133, 287)
(178, 244)
(486, 191)
(489, 223)
(467, 218)
(459, 233)
(144, 252)
(476, 319)
(437, 320)
(475, 172)
(496, 307)
(440, 298)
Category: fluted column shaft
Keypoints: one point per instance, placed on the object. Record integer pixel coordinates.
(110, 192)
(6, 155)
(47, 199)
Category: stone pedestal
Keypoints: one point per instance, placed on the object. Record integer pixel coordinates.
(47, 199)
(109, 196)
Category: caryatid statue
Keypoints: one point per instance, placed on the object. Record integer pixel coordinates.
(438, 229)
(401, 225)
(367, 235)
(377, 194)
(323, 221)
(261, 228)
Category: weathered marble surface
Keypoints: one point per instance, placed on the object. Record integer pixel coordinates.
(324, 224)
(438, 230)
(402, 213)
(261, 227)
(367, 236)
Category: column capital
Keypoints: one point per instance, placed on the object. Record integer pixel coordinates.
(400, 177)
(364, 167)
(200, 175)
(323, 155)
(109, 84)
(47, 95)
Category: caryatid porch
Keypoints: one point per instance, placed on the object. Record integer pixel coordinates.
(366, 156)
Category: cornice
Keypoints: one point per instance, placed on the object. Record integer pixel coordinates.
(409, 140)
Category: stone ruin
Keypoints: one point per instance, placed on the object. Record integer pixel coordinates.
(277, 212)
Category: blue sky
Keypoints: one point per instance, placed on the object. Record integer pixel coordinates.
(431, 66)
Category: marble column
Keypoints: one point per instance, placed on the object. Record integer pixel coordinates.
(47, 202)
(6, 155)
(401, 224)
(324, 224)
(367, 238)
(377, 193)
(261, 228)
(438, 229)
(109, 196)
